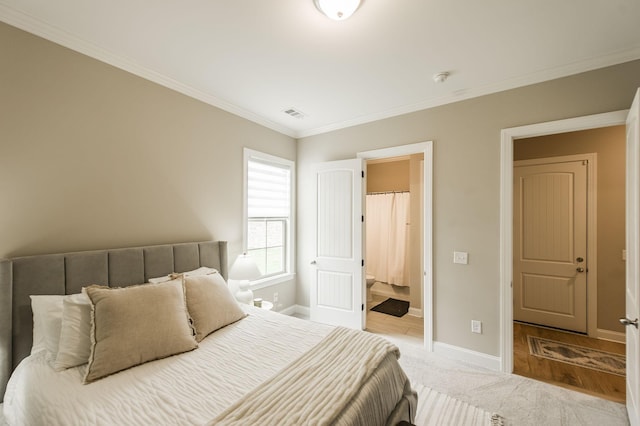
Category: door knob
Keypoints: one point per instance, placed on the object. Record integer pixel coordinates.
(579, 260)
(627, 321)
(580, 269)
(313, 262)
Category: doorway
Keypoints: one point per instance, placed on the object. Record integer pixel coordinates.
(568, 248)
(508, 137)
(393, 246)
(424, 247)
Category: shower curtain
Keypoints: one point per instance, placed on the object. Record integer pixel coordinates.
(387, 236)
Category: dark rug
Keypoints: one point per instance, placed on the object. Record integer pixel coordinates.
(577, 355)
(394, 307)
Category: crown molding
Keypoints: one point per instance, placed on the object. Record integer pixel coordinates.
(56, 35)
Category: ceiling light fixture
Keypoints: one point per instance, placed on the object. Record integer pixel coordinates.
(337, 10)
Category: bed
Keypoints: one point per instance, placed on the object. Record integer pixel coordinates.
(259, 368)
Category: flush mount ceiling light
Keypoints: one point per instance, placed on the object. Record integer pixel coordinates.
(337, 10)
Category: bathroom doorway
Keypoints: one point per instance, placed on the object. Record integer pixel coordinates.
(394, 246)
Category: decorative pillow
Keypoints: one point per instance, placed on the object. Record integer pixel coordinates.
(210, 303)
(47, 320)
(75, 340)
(136, 324)
(203, 270)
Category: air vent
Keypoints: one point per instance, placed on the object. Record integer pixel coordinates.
(294, 113)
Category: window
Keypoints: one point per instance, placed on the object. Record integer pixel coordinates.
(268, 210)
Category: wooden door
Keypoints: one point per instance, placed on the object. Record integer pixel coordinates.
(632, 308)
(338, 283)
(550, 243)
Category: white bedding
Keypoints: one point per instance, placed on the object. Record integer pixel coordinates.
(190, 388)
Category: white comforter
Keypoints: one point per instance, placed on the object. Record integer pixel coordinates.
(186, 389)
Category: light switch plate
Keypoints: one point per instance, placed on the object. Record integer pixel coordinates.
(461, 257)
(476, 326)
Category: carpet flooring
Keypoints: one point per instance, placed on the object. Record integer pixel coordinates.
(438, 409)
(520, 400)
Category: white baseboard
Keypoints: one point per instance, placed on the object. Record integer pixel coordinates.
(613, 336)
(466, 355)
(296, 309)
(415, 312)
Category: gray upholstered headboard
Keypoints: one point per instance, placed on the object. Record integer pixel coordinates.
(67, 273)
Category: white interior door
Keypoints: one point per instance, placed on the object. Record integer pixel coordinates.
(338, 284)
(633, 261)
(550, 243)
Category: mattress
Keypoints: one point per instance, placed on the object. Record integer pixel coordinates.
(191, 388)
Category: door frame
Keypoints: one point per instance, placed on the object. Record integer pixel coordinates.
(507, 137)
(425, 148)
(592, 228)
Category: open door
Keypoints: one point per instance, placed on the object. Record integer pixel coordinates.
(338, 284)
(633, 261)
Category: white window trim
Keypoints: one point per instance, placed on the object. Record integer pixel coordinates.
(249, 154)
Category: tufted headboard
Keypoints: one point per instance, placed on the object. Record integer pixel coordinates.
(67, 273)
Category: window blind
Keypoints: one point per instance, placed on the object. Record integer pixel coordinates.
(268, 190)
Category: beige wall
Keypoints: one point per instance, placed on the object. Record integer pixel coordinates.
(609, 144)
(388, 176)
(466, 214)
(94, 157)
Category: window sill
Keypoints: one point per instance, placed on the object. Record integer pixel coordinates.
(268, 282)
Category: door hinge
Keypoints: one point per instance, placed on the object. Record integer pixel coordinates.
(362, 171)
(362, 218)
(362, 262)
(363, 307)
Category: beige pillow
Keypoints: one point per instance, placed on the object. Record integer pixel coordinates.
(210, 303)
(136, 324)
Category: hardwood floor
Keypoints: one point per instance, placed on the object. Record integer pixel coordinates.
(604, 385)
(407, 327)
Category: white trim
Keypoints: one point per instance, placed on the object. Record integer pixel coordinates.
(248, 154)
(466, 355)
(415, 312)
(303, 311)
(612, 336)
(592, 228)
(270, 281)
(506, 210)
(427, 288)
(538, 77)
(42, 29)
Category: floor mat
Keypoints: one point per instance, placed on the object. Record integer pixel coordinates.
(577, 355)
(395, 307)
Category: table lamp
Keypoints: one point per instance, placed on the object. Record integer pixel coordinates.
(243, 270)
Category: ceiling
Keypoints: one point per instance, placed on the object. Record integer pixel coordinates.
(258, 58)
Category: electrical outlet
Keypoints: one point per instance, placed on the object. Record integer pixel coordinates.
(476, 326)
(275, 298)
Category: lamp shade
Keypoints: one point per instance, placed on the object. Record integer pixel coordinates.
(337, 9)
(244, 268)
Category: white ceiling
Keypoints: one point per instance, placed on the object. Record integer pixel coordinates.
(257, 58)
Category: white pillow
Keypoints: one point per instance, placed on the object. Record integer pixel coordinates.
(47, 321)
(75, 339)
(203, 270)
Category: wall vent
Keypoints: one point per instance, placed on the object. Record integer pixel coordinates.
(294, 113)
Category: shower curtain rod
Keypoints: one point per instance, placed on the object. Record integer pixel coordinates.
(387, 192)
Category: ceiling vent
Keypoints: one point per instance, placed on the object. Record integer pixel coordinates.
(294, 113)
